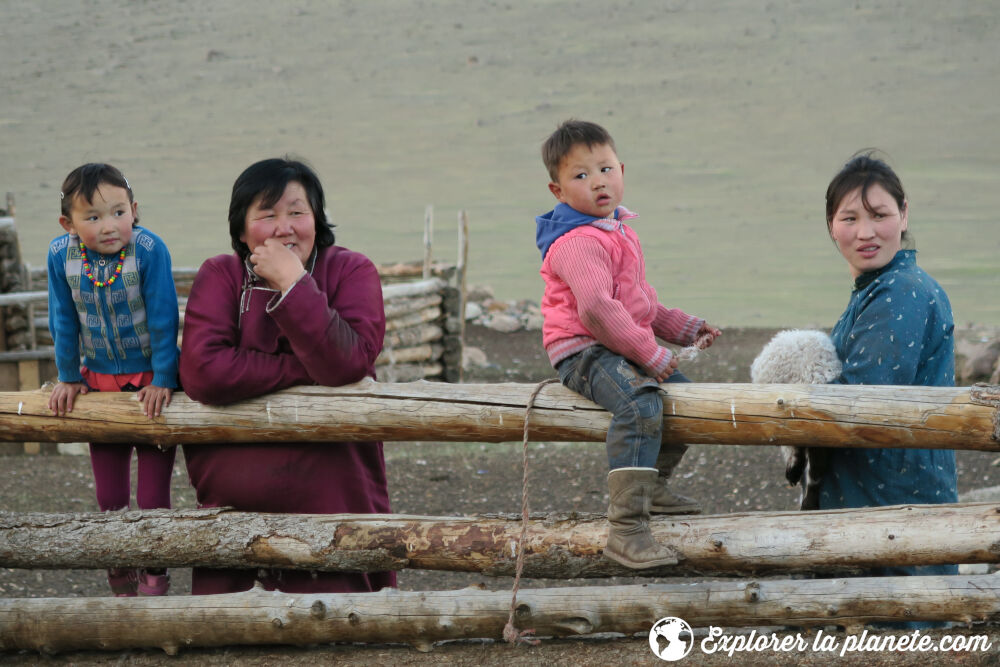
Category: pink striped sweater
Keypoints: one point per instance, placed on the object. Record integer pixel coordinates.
(596, 292)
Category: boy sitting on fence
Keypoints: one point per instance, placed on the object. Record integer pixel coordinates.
(601, 323)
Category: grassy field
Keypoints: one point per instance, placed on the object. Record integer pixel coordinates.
(730, 116)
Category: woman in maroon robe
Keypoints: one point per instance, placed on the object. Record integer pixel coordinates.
(287, 308)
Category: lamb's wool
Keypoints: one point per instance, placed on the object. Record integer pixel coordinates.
(799, 356)
(796, 356)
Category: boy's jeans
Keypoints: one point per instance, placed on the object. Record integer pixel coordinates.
(631, 396)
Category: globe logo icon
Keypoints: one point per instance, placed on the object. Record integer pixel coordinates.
(671, 638)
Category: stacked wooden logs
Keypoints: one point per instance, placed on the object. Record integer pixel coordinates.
(15, 332)
(419, 342)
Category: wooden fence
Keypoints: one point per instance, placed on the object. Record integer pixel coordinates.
(567, 546)
(424, 335)
(424, 306)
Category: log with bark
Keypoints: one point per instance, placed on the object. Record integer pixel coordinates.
(421, 618)
(405, 355)
(411, 270)
(410, 372)
(405, 305)
(413, 319)
(413, 335)
(556, 547)
(729, 414)
(412, 289)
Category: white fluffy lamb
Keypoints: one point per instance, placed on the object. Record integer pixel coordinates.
(799, 357)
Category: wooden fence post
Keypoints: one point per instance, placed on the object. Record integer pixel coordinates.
(428, 239)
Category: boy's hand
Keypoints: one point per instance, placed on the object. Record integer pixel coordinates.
(706, 335)
(154, 399)
(671, 367)
(62, 397)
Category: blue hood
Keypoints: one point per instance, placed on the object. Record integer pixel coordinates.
(563, 218)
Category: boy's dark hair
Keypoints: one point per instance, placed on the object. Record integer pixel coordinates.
(84, 181)
(571, 133)
(266, 180)
(864, 170)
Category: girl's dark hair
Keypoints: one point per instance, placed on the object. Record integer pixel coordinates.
(864, 170)
(84, 181)
(266, 180)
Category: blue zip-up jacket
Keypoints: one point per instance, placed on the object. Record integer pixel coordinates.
(110, 303)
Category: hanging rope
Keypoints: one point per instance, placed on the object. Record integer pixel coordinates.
(510, 632)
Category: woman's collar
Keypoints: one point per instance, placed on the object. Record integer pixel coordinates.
(900, 259)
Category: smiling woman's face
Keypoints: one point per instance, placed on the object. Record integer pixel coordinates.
(290, 221)
(868, 239)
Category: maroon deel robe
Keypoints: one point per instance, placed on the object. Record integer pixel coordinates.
(327, 331)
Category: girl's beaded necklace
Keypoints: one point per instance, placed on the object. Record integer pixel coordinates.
(90, 274)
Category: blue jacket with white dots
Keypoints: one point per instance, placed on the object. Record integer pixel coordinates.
(897, 330)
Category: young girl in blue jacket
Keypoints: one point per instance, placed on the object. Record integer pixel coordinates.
(113, 318)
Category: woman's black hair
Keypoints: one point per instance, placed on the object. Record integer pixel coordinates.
(864, 170)
(266, 181)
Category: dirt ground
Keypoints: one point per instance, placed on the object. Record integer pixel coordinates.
(443, 479)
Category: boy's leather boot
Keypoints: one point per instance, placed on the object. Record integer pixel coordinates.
(629, 540)
(666, 501)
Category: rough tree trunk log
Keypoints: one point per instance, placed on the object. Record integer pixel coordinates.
(415, 335)
(405, 355)
(730, 414)
(420, 618)
(411, 289)
(409, 372)
(410, 270)
(414, 319)
(557, 547)
(406, 305)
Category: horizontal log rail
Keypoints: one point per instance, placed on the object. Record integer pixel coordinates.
(23, 298)
(726, 414)
(412, 289)
(46, 352)
(413, 319)
(405, 355)
(402, 306)
(420, 618)
(409, 372)
(556, 546)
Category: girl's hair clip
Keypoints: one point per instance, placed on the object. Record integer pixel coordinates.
(62, 195)
(127, 185)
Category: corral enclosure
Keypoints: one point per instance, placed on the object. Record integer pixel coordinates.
(730, 116)
(560, 546)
